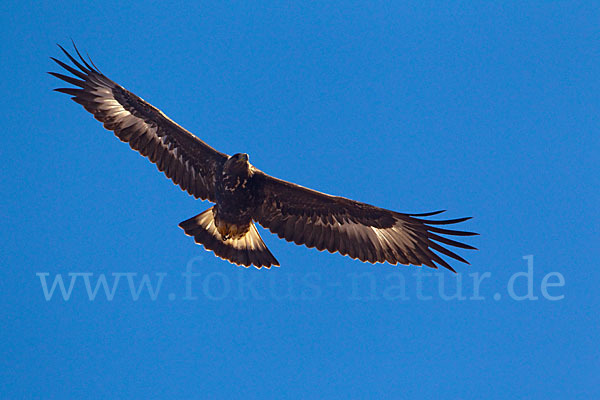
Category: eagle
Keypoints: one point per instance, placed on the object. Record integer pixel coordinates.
(244, 195)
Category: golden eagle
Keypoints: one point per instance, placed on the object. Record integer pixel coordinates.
(243, 194)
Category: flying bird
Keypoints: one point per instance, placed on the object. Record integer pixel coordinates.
(244, 194)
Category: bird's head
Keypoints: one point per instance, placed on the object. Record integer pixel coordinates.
(237, 164)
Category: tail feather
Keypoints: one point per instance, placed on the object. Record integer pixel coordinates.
(249, 250)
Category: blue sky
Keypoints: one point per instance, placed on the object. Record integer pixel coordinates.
(487, 109)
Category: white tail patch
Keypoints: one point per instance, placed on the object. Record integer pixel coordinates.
(247, 250)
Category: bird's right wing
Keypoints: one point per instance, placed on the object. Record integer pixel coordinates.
(187, 160)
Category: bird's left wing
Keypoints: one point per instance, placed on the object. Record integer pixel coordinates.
(369, 233)
(187, 160)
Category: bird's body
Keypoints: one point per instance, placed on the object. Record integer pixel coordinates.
(244, 195)
(235, 198)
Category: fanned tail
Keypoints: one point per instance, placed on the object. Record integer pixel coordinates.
(246, 251)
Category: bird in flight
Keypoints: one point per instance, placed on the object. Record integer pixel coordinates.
(244, 194)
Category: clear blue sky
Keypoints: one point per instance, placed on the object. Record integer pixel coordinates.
(487, 109)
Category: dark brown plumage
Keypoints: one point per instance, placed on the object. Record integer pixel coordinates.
(244, 194)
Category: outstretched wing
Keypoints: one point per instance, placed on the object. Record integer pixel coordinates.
(362, 231)
(187, 160)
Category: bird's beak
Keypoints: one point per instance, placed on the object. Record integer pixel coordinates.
(245, 157)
